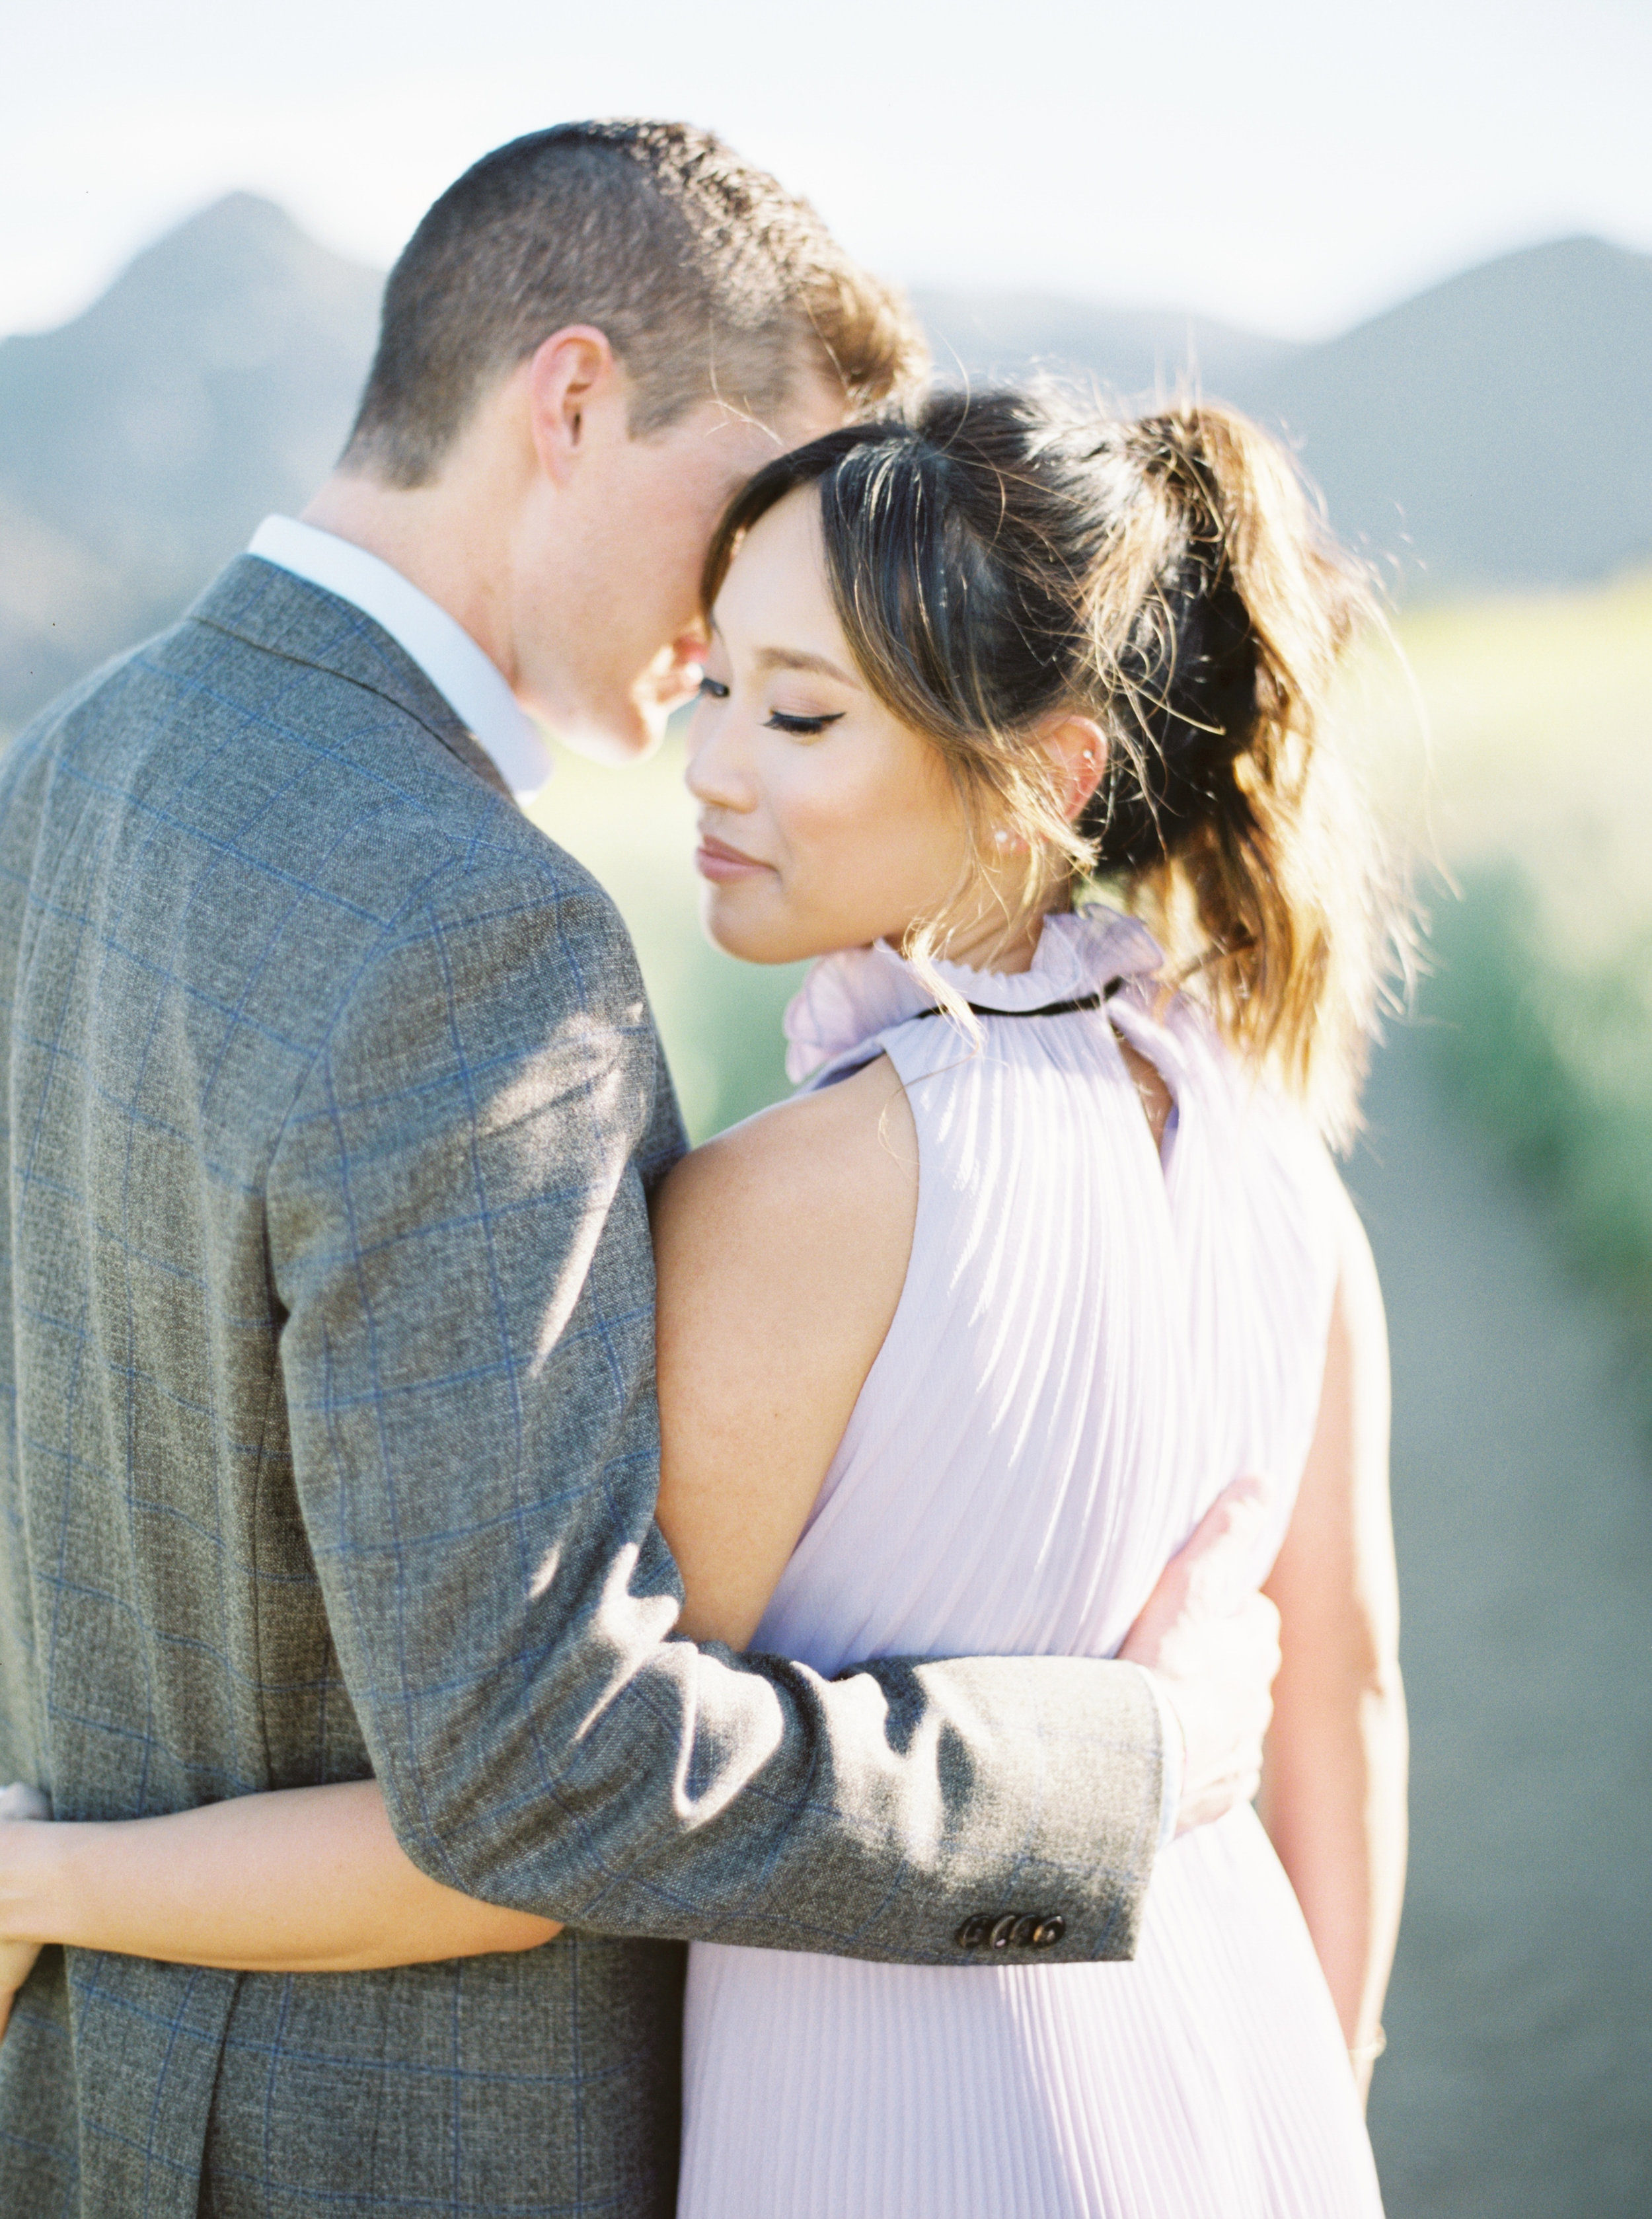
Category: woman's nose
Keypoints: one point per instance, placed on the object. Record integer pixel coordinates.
(719, 774)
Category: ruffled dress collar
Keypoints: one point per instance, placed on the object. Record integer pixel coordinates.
(849, 998)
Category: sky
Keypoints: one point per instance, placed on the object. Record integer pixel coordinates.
(1291, 165)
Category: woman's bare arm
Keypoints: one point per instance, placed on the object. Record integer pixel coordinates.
(783, 1246)
(1334, 1782)
(306, 1881)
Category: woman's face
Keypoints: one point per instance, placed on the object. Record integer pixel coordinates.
(824, 822)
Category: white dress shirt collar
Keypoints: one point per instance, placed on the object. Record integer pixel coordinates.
(467, 681)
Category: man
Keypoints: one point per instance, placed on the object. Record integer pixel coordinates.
(332, 1104)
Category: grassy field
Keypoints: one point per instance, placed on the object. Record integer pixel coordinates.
(1539, 804)
(1518, 754)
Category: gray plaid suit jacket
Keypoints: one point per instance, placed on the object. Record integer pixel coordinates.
(328, 1447)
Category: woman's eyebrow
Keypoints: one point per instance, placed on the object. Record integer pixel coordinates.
(791, 658)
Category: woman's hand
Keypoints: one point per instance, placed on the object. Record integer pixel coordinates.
(17, 1805)
(1212, 1645)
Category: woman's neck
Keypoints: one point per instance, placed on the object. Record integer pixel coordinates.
(993, 945)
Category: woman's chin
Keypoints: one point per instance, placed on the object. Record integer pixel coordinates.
(749, 947)
(729, 923)
(750, 932)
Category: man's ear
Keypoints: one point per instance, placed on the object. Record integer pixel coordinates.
(1077, 747)
(573, 377)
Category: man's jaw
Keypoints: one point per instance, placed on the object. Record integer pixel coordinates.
(618, 724)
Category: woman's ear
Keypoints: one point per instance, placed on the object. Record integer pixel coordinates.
(1077, 747)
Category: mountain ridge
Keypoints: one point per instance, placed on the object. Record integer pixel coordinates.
(140, 442)
(1542, 478)
(1130, 352)
(1488, 432)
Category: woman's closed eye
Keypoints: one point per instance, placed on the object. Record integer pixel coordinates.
(801, 728)
(778, 720)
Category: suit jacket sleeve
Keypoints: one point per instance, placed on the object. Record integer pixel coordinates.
(459, 1241)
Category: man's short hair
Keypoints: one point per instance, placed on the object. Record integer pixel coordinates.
(707, 277)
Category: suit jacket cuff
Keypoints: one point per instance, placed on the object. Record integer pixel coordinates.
(1174, 1765)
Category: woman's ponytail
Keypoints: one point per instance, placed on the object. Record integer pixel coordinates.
(1226, 611)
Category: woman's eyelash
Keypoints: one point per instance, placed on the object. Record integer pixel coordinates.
(801, 727)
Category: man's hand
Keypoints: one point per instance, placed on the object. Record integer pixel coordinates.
(16, 1958)
(1211, 1643)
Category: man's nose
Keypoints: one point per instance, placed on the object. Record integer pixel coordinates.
(671, 678)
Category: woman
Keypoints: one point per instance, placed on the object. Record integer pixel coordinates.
(955, 1346)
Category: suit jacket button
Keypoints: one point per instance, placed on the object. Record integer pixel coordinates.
(972, 1932)
(1001, 1929)
(1025, 1929)
(1048, 1931)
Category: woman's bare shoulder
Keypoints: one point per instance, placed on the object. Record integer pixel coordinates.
(844, 1154)
(782, 1248)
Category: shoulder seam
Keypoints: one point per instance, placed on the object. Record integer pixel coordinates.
(361, 685)
(455, 865)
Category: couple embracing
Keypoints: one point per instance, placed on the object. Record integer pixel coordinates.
(458, 1549)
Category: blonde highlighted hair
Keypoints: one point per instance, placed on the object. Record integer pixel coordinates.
(997, 559)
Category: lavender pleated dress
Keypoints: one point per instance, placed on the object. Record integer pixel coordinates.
(1091, 1340)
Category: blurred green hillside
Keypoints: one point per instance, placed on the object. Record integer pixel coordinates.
(720, 1020)
(1539, 804)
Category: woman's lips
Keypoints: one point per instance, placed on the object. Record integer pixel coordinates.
(716, 860)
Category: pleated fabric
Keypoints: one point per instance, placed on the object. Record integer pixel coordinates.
(1092, 1340)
